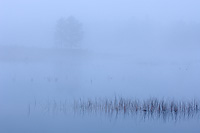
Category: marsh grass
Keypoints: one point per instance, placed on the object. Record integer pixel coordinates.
(149, 108)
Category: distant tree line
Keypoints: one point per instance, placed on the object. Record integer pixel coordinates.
(69, 33)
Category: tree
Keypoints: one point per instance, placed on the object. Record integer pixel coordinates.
(68, 32)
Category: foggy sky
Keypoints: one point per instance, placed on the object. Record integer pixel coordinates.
(32, 23)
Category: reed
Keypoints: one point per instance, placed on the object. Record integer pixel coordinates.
(120, 106)
(125, 105)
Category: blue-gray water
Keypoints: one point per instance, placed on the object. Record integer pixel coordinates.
(30, 81)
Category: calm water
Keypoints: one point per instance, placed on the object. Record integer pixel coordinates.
(52, 122)
(65, 76)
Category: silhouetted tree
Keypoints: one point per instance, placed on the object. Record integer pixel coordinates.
(68, 32)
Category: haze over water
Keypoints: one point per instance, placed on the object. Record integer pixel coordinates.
(135, 49)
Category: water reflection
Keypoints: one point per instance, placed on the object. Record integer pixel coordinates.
(150, 109)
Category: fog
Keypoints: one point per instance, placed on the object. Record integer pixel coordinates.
(32, 23)
(70, 49)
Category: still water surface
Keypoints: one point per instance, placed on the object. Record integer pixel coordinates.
(64, 76)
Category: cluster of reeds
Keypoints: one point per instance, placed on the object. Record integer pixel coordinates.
(127, 106)
(119, 106)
